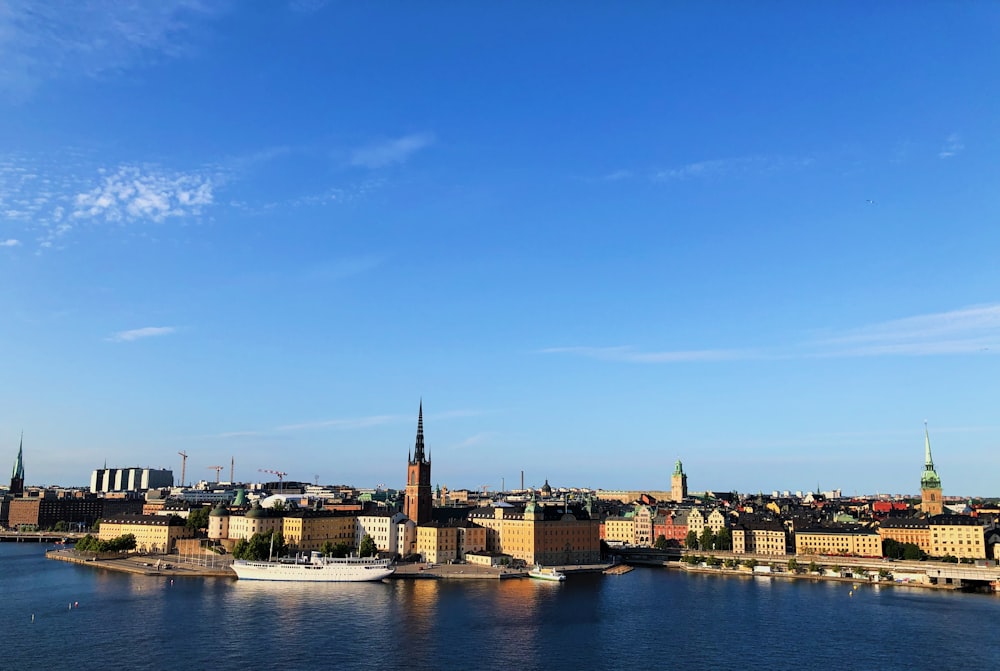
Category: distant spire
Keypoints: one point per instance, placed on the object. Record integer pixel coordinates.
(418, 450)
(19, 462)
(928, 461)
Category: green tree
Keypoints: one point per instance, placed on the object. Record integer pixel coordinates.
(912, 552)
(793, 565)
(691, 540)
(60, 526)
(714, 561)
(724, 540)
(260, 547)
(750, 563)
(730, 562)
(707, 539)
(813, 567)
(326, 549)
(883, 574)
(367, 547)
(198, 518)
(892, 548)
(96, 526)
(240, 549)
(661, 542)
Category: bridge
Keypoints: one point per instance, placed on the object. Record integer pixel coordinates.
(39, 536)
(645, 556)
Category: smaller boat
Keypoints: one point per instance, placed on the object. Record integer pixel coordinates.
(542, 573)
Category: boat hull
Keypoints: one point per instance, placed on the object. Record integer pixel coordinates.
(326, 570)
(551, 575)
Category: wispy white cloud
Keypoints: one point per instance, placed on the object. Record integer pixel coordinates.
(476, 439)
(967, 330)
(390, 152)
(742, 165)
(132, 193)
(145, 332)
(952, 145)
(10, 243)
(349, 423)
(971, 330)
(43, 41)
(631, 355)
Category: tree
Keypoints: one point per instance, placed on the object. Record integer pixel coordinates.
(714, 561)
(813, 567)
(326, 549)
(260, 546)
(60, 526)
(198, 518)
(892, 548)
(750, 563)
(912, 552)
(883, 574)
(707, 539)
(793, 565)
(367, 547)
(691, 540)
(661, 542)
(730, 562)
(724, 539)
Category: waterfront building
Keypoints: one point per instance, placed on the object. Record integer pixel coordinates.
(678, 483)
(257, 520)
(930, 484)
(306, 530)
(759, 536)
(907, 530)
(541, 534)
(218, 523)
(958, 536)
(419, 500)
(642, 517)
(618, 529)
(17, 476)
(437, 543)
(856, 541)
(383, 527)
(696, 521)
(45, 509)
(672, 525)
(153, 533)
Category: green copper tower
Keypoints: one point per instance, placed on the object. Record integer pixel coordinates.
(930, 483)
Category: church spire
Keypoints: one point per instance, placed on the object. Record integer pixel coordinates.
(418, 450)
(19, 462)
(929, 479)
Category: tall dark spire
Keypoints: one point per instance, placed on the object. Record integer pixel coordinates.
(418, 450)
(17, 477)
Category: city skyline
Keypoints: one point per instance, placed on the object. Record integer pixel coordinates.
(594, 240)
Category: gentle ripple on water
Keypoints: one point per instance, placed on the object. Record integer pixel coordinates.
(649, 618)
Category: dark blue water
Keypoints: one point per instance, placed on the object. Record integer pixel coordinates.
(646, 619)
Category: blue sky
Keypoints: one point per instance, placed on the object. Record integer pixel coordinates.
(593, 237)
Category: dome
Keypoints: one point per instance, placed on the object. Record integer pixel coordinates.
(219, 511)
(256, 511)
(546, 489)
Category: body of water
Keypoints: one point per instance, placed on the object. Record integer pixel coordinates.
(56, 614)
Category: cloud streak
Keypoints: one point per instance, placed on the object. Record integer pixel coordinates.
(953, 145)
(10, 243)
(139, 334)
(391, 152)
(743, 165)
(42, 41)
(970, 330)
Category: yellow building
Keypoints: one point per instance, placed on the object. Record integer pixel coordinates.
(855, 542)
(437, 544)
(541, 534)
(619, 530)
(907, 530)
(307, 530)
(957, 535)
(764, 537)
(153, 533)
(257, 520)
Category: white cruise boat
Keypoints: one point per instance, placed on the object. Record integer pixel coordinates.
(542, 573)
(315, 568)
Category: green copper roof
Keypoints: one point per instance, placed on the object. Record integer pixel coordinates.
(678, 469)
(929, 479)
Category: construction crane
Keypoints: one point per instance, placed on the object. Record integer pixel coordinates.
(281, 476)
(184, 461)
(218, 470)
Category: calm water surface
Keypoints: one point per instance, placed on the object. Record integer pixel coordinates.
(646, 619)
